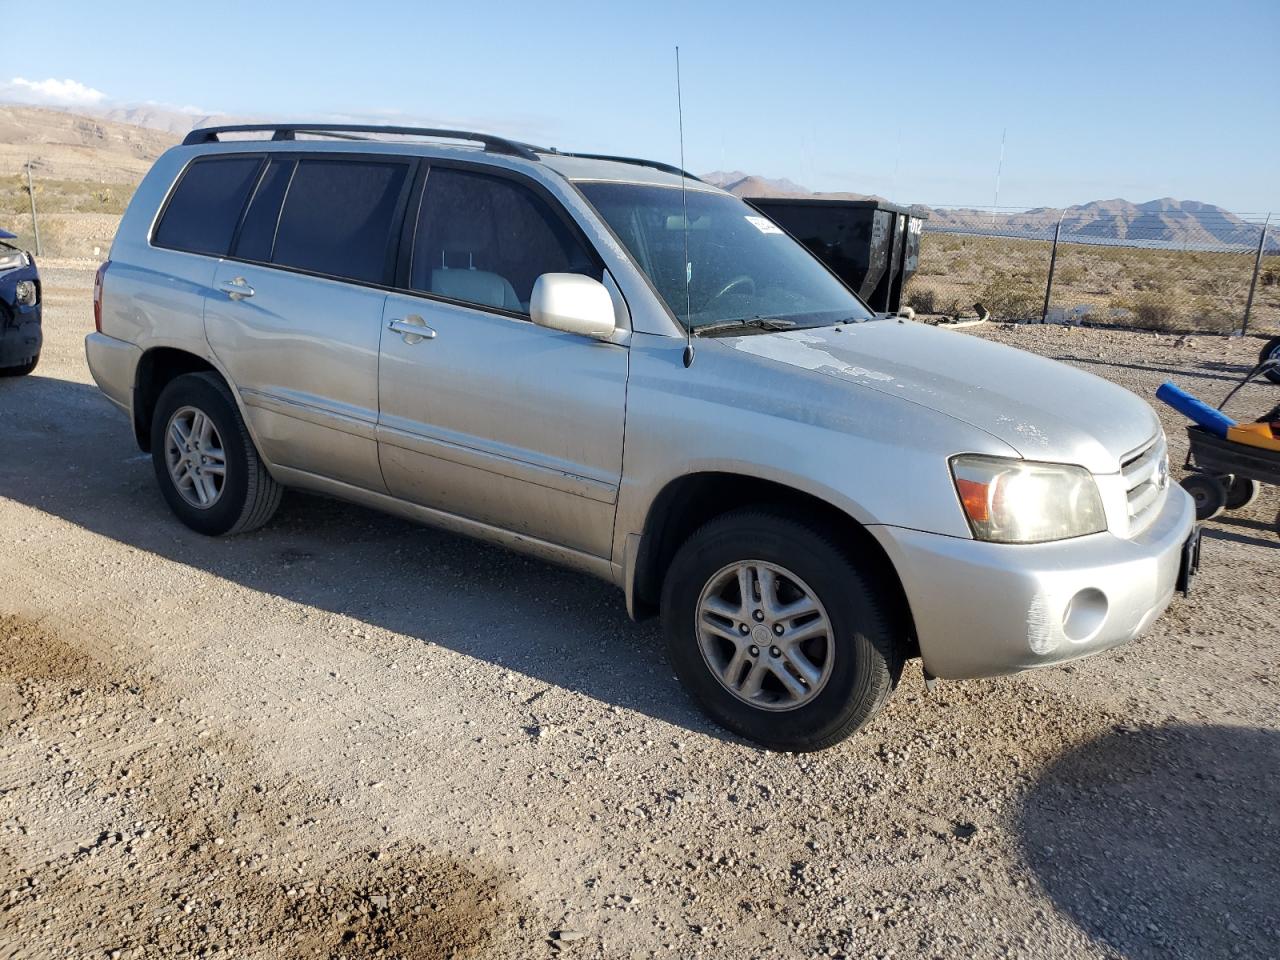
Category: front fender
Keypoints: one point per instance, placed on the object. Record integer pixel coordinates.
(877, 458)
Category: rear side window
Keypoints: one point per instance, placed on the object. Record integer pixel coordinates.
(338, 217)
(485, 240)
(202, 212)
(258, 232)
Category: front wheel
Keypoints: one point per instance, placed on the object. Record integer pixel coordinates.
(205, 462)
(778, 632)
(22, 369)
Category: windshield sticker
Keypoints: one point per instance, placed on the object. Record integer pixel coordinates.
(763, 224)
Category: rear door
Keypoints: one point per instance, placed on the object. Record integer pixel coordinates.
(484, 414)
(295, 311)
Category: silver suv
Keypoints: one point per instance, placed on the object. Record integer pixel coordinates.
(611, 365)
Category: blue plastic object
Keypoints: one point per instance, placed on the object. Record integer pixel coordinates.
(1215, 421)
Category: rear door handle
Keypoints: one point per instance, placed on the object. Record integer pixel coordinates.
(413, 328)
(236, 289)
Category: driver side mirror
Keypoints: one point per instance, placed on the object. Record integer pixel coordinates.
(572, 303)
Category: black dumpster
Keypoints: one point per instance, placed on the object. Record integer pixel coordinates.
(873, 245)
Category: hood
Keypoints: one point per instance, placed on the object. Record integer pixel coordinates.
(1044, 409)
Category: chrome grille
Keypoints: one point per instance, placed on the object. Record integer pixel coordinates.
(1146, 479)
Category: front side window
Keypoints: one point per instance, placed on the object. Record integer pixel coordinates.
(740, 265)
(338, 217)
(202, 213)
(486, 240)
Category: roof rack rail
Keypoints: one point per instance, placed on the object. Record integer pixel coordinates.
(289, 131)
(634, 161)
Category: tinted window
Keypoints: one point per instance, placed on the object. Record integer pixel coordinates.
(338, 217)
(485, 240)
(202, 213)
(258, 232)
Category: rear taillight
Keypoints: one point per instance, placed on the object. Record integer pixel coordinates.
(97, 294)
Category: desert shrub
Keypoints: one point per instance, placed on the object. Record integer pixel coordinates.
(1269, 278)
(923, 300)
(1212, 317)
(1070, 274)
(1153, 312)
(1011, 298)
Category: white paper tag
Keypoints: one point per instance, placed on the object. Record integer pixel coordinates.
(763, 224)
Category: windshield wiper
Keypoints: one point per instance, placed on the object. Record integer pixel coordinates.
(744, 323)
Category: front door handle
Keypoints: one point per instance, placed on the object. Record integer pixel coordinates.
(236, 289)
(414, 329)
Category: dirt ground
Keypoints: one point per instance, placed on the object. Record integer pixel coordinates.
(346, 736)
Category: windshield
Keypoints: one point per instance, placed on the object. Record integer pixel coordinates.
(741, 266)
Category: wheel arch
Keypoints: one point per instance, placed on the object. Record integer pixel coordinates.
(157, 368)
(691, 500)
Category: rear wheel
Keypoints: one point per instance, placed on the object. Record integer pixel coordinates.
(777, 631)
(1208, 493)
(205, 462)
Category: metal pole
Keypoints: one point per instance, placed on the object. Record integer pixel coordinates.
(35, 225)
(1253, 284)
(1053, 259)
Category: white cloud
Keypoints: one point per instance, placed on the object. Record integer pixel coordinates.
(51, 92)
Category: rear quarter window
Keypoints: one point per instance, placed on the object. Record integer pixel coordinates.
(203, 210)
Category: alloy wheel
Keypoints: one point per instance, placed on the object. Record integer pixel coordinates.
(765, 635)
(195, 456)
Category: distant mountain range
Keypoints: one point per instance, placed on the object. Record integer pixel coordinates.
(1185, 223)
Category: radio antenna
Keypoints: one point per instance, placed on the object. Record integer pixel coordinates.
(684, 201)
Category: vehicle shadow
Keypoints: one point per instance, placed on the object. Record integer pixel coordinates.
(1164, 842)
(1219, 534)
(1206, 371)
(69, 453)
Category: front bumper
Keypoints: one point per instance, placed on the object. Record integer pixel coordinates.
(21, 335)
(984, 609)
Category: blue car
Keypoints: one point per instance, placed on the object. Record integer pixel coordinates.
(20, 335)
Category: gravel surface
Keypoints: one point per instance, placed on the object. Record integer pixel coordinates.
(345, 736)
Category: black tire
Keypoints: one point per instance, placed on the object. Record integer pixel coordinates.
(1271, 351)
(249, 495)
(1241, 492)
(22, 369)
(866, 648)
(1208, 493)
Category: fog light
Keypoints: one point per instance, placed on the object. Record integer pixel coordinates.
(1084, 615)
(25, 293)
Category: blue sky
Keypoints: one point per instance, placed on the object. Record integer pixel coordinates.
(1100, 100)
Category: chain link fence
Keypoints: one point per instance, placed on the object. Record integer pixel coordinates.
(1200, 271)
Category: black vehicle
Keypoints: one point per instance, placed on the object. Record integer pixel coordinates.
(20, 335)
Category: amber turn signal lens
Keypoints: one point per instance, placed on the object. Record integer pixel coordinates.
(973, 496)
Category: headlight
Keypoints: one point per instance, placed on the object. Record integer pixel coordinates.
(1018, 501)
(25, 293)
(12, 260)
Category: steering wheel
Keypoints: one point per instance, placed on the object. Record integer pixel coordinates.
(732, 285)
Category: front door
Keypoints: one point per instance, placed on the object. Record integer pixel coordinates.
(482, 413)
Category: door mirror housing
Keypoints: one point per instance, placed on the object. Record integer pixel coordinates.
(572, 303)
